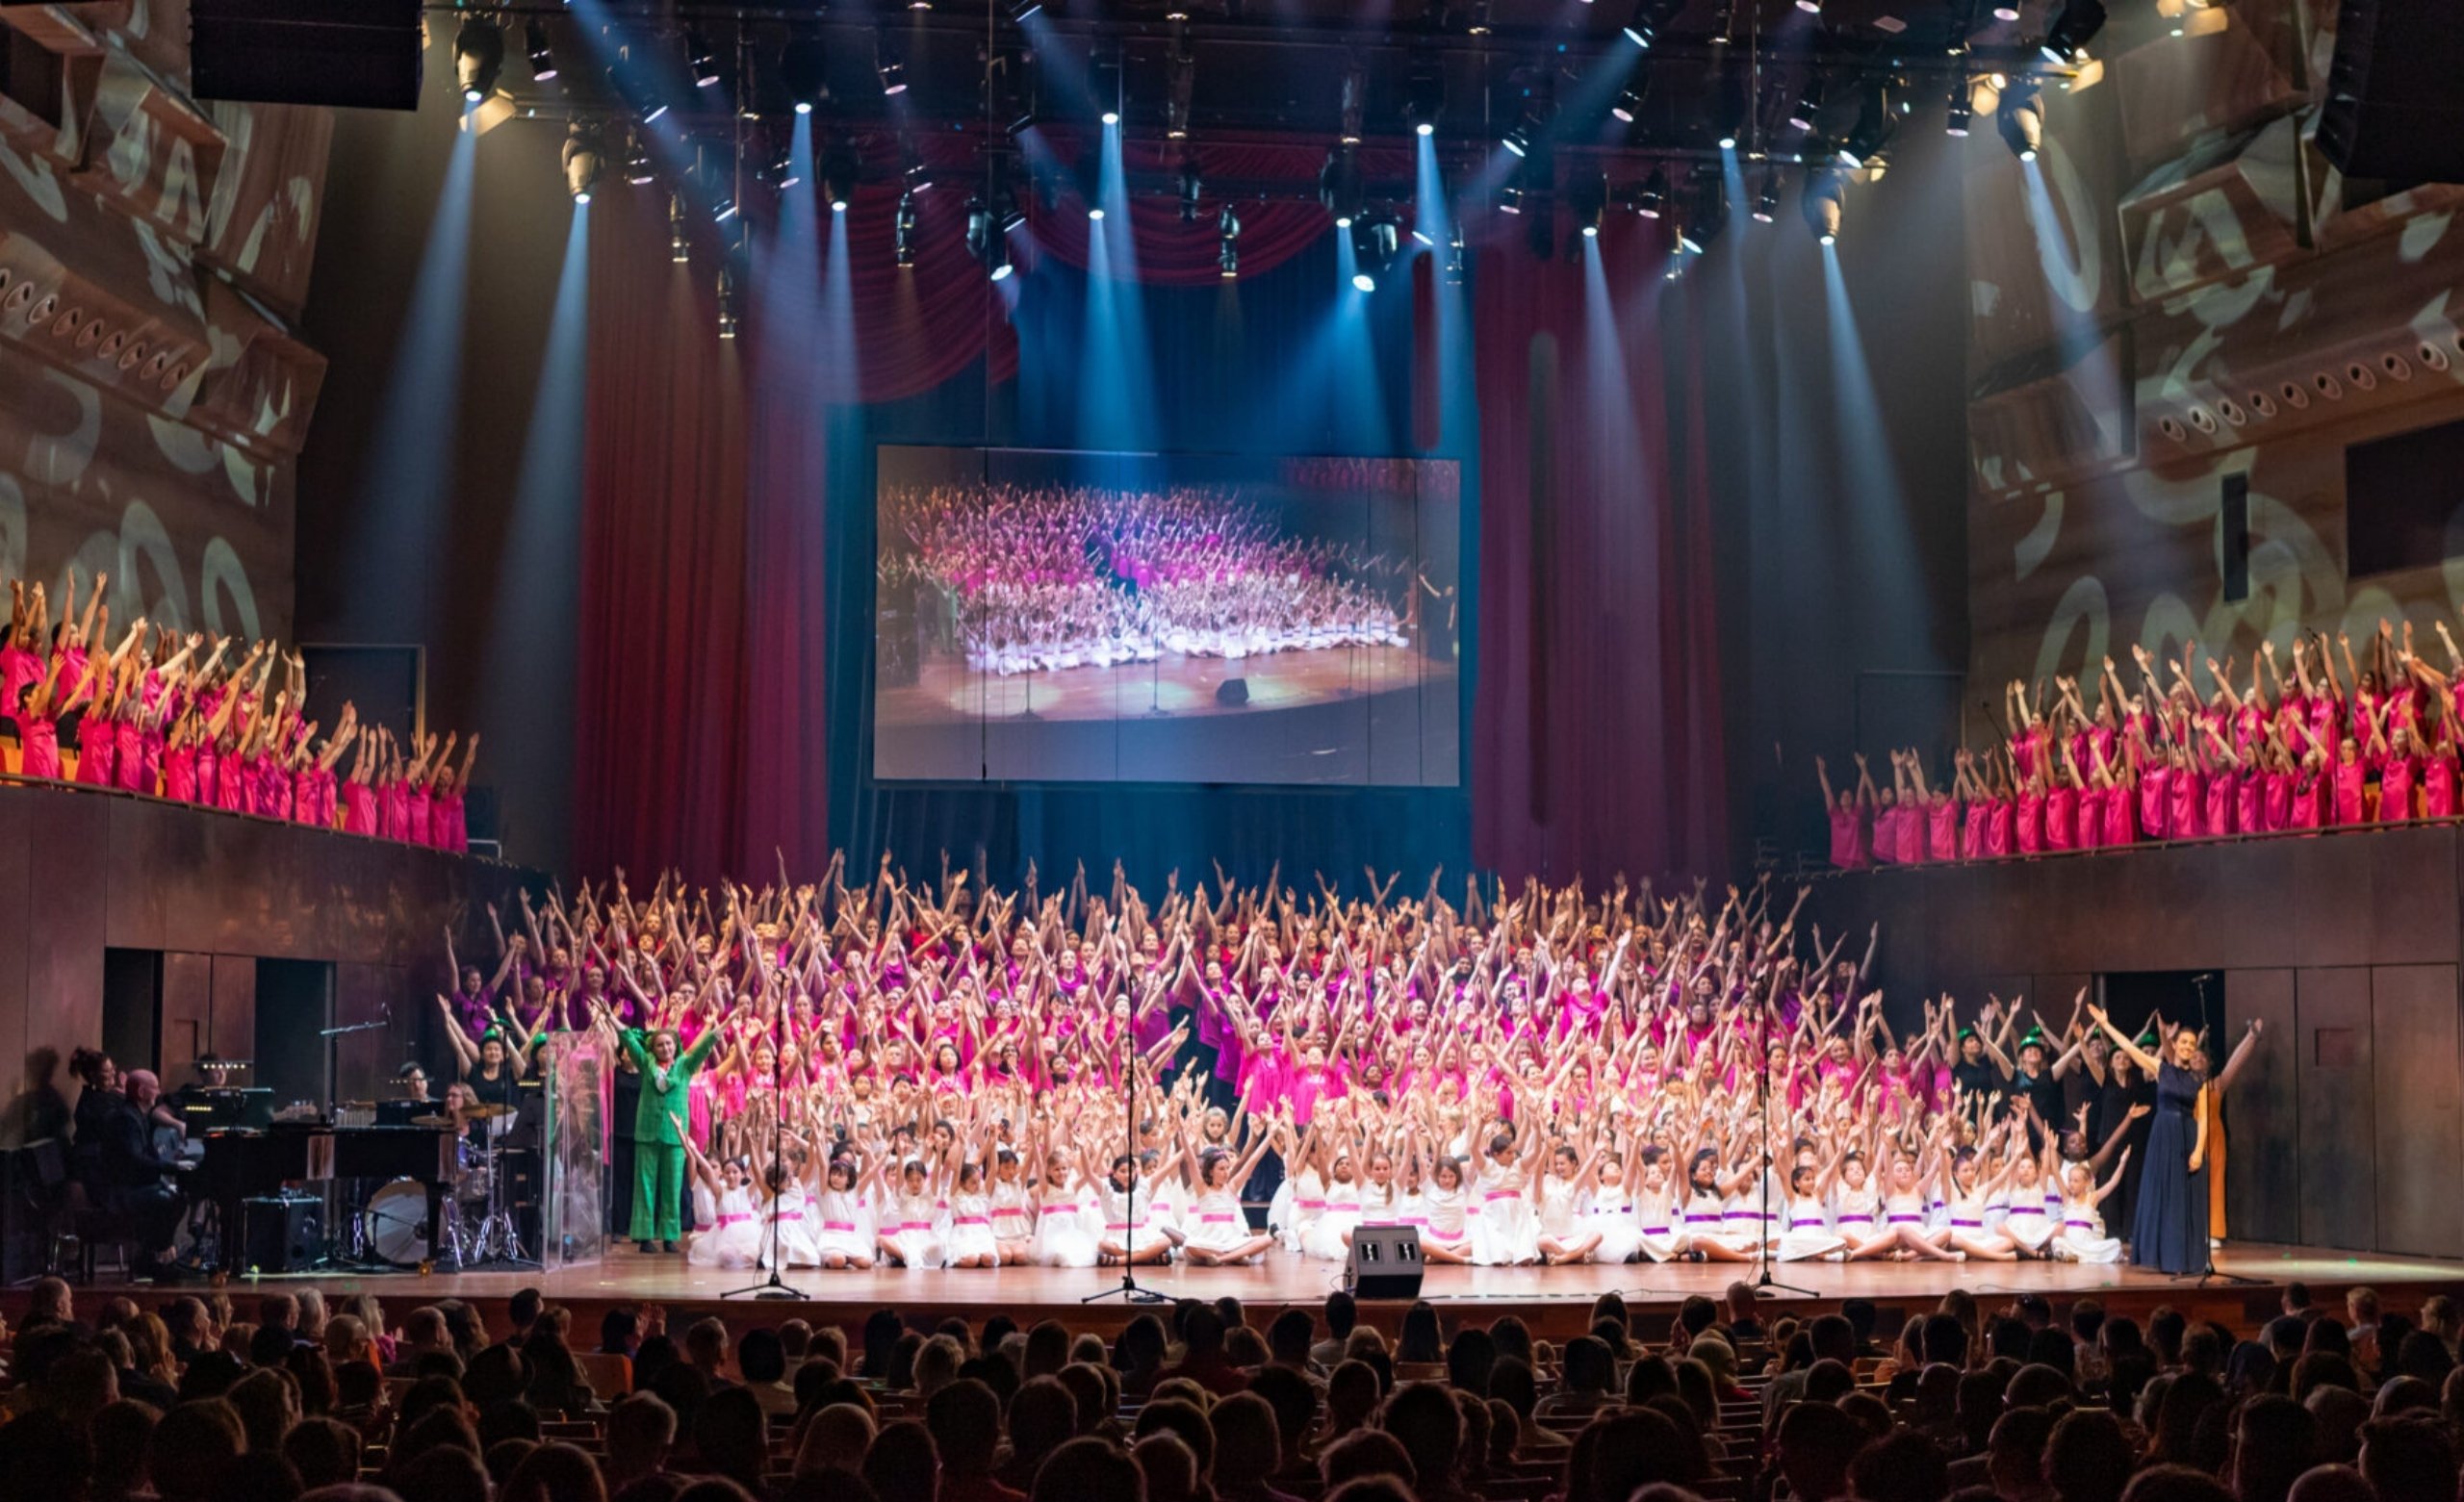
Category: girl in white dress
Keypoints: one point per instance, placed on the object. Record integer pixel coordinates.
(1904, 1217)
(1968, 1190)
(1708, 1237)
(1658, 1222)
(1014, 1216)
(2027, 1225)
(728, 1229)
(1129, 1235)
(970, 1243)
(906, 1237)
(1446, 1202)
(1564, 1234)
(1610, 1213)
(2082, 1237)
(1062, 1238)
(1806, 1234)
(1328, 1238)
(1219, 1233)
(1503, 1230)
(1381, 1194)
(835, 1227)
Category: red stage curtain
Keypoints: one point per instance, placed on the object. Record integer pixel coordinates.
(661, 661)
(1596, 735)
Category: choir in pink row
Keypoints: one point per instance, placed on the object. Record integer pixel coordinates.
(2267, 752)
(173, 717)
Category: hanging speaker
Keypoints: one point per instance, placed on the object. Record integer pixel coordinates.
(2394, 110)
(1385, 1263)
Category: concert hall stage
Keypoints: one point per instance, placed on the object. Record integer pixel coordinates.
(1554, 1301)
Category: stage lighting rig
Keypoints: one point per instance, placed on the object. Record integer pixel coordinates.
(1002, 265)
(1457, 258)
(1587, 197)
(543, 56)
(1959, 109)
(1824, 203)
(2021, 118)
(680, 239)
(1766, 200)
(1353, 98)
(638, 169)
(1628, 107)
(1104, 83)
(1510, 198)
(783, 165)
(1339, 186)
(1180, 90)
(1373, 242)
(838, 170)
(1423, 95)
(1478, 24)
(703, 63)
(889, 65)
(586, 155)
(1651, 199)
(906, 245)
(1227, 240)
(1192, 184)
(912, 170)
(2081, 19)
(1808, 106)
(730, 303)
(478, 56)
(804, 71)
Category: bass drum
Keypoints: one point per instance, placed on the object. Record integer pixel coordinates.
(396, 1223)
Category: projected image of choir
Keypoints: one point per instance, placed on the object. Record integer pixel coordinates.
(2318, 738)
(927, 1075)
(1049, 578)
(207, 721)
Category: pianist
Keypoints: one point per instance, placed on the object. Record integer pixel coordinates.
(133, 1178)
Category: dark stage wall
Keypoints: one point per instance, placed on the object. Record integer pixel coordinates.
(2346, 1128)
(122, 892)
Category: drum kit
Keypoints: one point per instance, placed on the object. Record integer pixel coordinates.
(391, 1227)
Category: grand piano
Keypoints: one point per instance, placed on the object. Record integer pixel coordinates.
(244, 1163)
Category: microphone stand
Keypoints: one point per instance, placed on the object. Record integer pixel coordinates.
(1129, 1291)
(1766, 1284)
(776, 1287)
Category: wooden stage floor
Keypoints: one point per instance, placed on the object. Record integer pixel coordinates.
(1554, 1300)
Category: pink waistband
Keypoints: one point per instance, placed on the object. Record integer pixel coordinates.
(969, 1220)
(1218, 1217)
(1310, 1203)
(837, 1225)
(733, 1221)
(796, 1214)
(1118, 1225)
(1415, 1220)
(1495, 1195)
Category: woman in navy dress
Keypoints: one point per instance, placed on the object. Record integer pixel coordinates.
(2169, 1225)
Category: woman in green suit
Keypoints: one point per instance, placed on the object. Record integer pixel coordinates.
(658, 1152)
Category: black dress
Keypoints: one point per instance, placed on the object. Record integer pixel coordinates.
(2169, 1230)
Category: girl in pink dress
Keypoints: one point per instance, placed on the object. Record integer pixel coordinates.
(1850, 850)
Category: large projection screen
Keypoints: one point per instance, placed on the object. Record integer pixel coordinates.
(1061, 617)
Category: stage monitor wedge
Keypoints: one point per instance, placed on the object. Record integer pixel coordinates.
(347, 54)
(1385, 1263)
(2395, 110)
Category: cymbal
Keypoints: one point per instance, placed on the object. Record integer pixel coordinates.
(431, 1121)
(485, 1112)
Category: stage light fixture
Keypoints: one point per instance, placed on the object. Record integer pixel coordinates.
(1227, 240)
(889, 65)
(1181, 89)
(680, 239)
(1373, 242)
(804, 72)
(1809, 105)
(783, 165)
(1766, 201)
(1510, 198)
(1002, 265)
(638, 169)
(2022, 120)
(1728, 112)
(1026, 11)
(1651, 200)
(586, 155)
(1959, 109)
(2081, 20)
(1587, 199)
(478, 56)
(698, 57)
(1723, 21)
(1824, 203)
(914, 173)
(1628, 107)
(1423, 95)
(906, 243)
(1810, 6)
(730, 303)
(1456, 257)
(543, 56)
(838, 170)
(1478, 25)
(1339, 186)
(1104, 83)
(1352, 98)
(1192, 184)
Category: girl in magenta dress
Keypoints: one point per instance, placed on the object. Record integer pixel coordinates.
(1847, 813)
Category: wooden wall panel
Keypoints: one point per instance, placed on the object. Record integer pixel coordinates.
(2339, 1119)
(18, 1031)
(233, 1031)
(187, 1016)
(365, 1062)
(2263, 1111)
(65, 855)
(2421, 1127)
